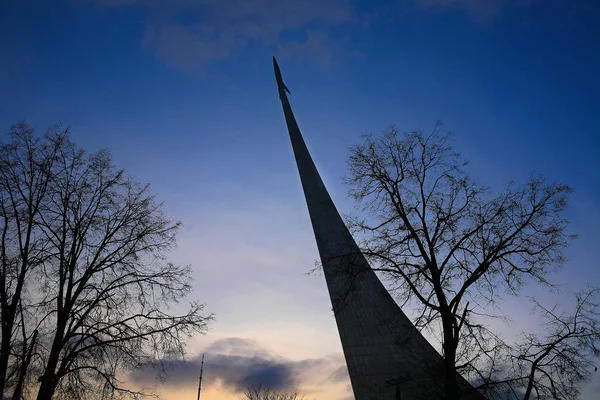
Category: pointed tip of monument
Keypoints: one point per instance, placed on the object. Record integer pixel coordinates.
(278, 78)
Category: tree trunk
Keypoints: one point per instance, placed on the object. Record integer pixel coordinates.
(451, 384)
(9, 312)
(49, 379)
(8, 323)
(4, 354)
(24, 366)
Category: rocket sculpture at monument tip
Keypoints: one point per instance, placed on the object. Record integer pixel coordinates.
(280, 85)
(387, 357)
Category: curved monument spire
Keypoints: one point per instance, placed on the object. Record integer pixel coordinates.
(385, 354)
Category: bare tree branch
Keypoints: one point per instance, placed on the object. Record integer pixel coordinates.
(92, 243)
(448, 242)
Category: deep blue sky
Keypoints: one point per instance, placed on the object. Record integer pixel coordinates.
(520, 84)
(182, 92)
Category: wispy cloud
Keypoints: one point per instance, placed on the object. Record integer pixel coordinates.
(482, 11)
(188, 34)
(487, 11)
(316, 45)
(236, 363)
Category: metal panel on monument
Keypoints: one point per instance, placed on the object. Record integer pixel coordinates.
(384, 351)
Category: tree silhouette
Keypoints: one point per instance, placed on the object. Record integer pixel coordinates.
(447, 242)
(258, 392)
(101, 286)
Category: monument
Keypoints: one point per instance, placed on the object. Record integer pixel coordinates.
(386, 356)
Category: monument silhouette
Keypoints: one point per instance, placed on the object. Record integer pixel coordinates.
(386, 356)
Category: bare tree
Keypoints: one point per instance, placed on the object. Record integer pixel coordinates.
(553, 364)
(448, 243)
(258, 392)
(24, 163)
(104, 290)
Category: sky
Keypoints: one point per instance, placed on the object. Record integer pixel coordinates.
(182, 93)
